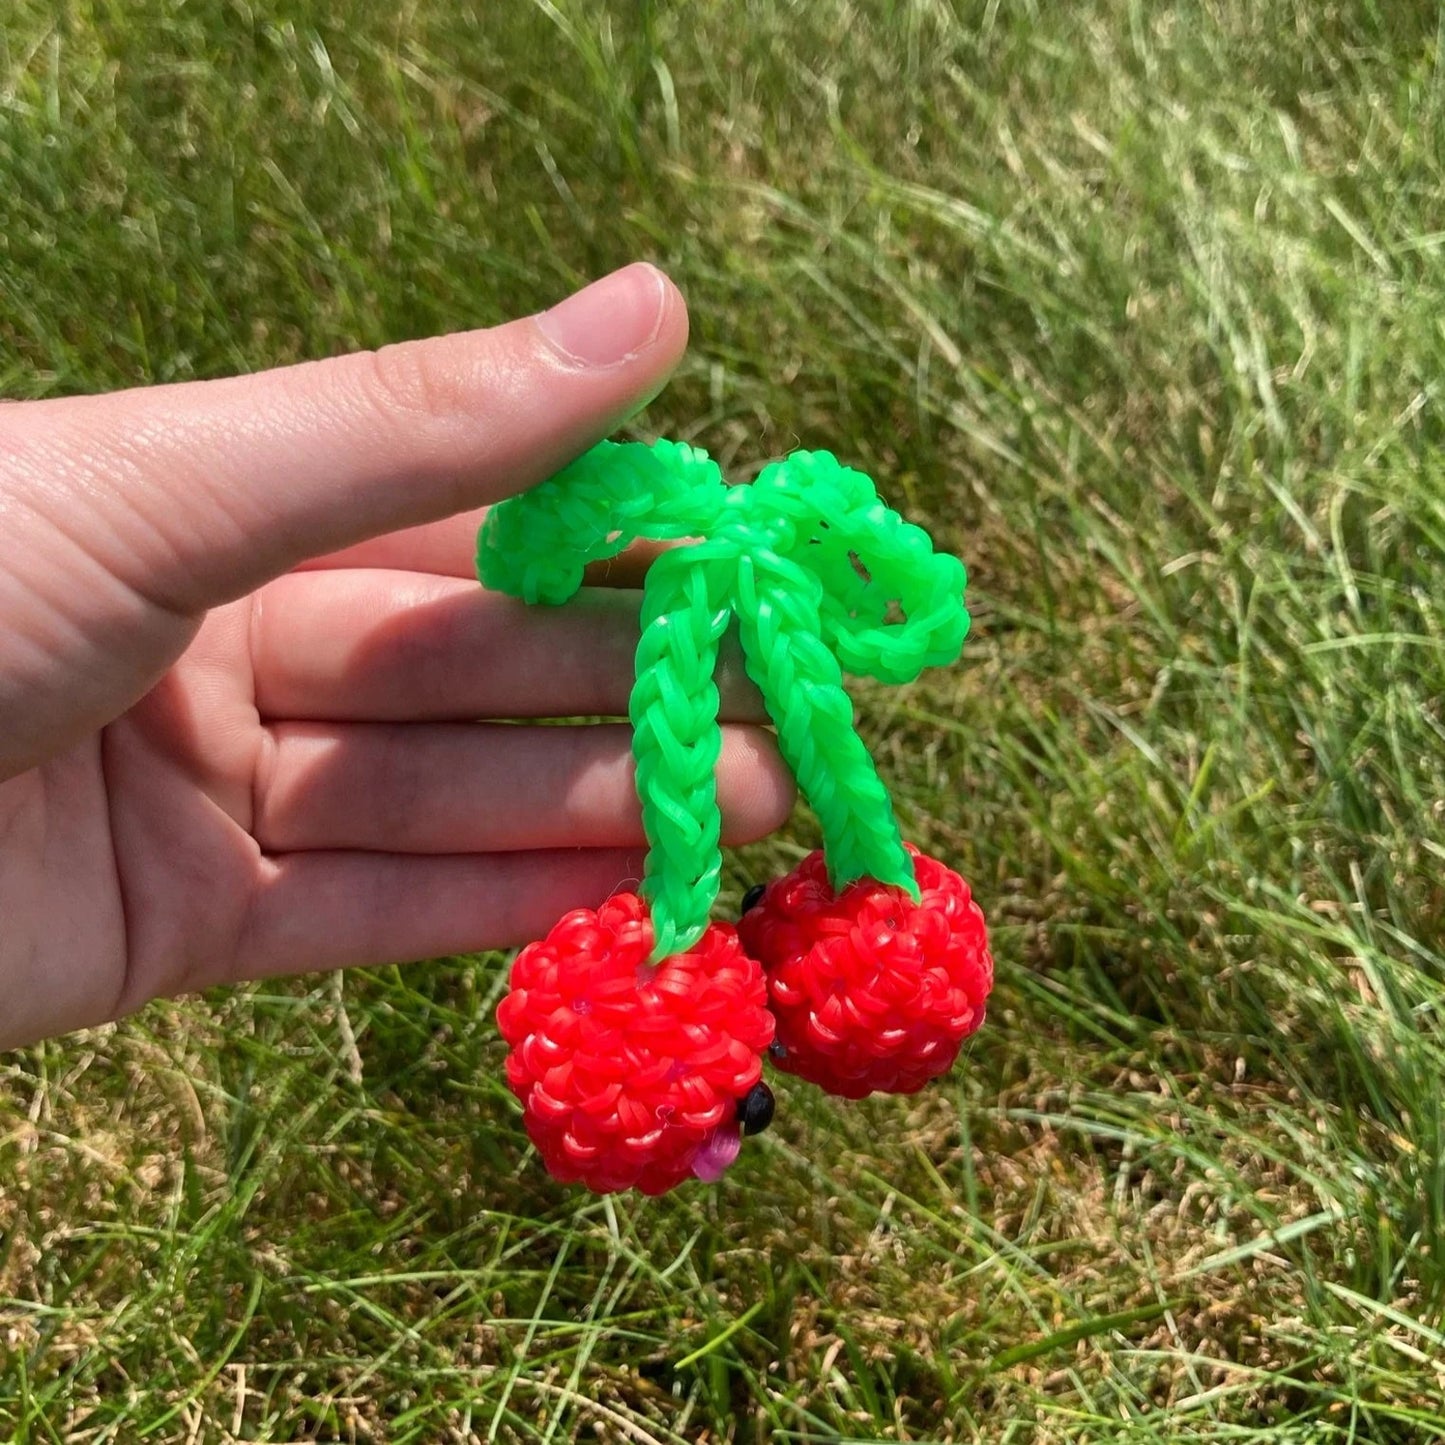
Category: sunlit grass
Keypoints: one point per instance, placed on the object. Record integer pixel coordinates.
(1138, 307)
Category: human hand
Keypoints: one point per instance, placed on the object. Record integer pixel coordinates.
(243, 655)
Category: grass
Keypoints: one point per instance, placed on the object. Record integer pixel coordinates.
(1139, 307)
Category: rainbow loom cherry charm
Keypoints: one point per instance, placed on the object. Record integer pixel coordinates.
(871, 990)
(633, 1073)
(636, 1031)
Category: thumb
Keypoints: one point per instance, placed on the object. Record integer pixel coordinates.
(196, 494)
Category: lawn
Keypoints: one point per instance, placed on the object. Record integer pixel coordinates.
(1138, 306)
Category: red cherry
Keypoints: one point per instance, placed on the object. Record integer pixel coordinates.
(871, 990)
(630, 1074)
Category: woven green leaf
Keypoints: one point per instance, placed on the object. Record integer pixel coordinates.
(535, 546)
(823, 578)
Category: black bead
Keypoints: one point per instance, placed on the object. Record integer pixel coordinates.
(754, 896)
(755, 1109)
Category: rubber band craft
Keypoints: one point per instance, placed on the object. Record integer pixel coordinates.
(638, 1031)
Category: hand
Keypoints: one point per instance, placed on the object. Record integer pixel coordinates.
(242, 655)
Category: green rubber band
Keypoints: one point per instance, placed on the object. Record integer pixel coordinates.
(823, 579)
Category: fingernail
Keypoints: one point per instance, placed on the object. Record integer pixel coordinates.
(609, 321)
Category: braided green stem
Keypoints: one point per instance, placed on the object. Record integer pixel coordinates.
(802, 685)
(677, 740)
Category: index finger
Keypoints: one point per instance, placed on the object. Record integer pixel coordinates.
(448, 549)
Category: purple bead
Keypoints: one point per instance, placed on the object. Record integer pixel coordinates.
(718, 1150)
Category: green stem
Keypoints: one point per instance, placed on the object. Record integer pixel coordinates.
(802, 685)
(677, 741)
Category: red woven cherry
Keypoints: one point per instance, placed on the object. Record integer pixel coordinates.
(630, 1074)
(871, 991)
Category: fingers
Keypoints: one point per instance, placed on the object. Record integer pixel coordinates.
(449, 549)
(212, 488)
(338, 910)
(401, 647)
(456, 788)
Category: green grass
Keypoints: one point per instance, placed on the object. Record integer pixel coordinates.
(1139, 306)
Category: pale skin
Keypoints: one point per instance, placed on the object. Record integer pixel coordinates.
(243, 657)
